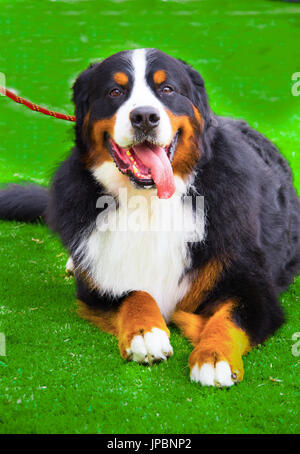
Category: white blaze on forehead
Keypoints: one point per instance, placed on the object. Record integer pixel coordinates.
(141, 95)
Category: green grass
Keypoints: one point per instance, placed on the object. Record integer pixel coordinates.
(60, 374)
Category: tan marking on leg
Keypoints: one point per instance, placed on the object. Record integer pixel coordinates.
(191, 325)
(221, 340)
(138, 314)
(138, 318)
(203, 283)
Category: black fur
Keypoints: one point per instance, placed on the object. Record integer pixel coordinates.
(253, 219)
(252, 210)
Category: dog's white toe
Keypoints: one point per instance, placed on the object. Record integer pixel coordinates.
(223, 374)
(70, 266)
(208, 375)
(153, 346)
(138, 350)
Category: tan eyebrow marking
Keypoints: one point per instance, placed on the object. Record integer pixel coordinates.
(159, 76)
(121, 78)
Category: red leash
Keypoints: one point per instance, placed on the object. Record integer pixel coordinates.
(35, 107)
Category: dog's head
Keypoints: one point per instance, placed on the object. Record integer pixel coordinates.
(141, 115)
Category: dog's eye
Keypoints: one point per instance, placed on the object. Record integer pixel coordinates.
(115, 92)
(166, 89)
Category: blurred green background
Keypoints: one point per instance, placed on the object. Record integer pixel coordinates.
(60, 374)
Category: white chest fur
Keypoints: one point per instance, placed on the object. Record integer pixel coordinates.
(149, 259)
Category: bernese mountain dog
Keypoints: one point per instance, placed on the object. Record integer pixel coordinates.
(149, 149)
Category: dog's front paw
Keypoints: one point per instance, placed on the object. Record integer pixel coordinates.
(148, 347)
(212, 368)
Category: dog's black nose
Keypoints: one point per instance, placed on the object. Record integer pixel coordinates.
(144, 118)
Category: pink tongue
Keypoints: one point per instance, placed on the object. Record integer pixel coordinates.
(156, 159)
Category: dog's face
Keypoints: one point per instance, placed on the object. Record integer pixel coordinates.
(143, 112)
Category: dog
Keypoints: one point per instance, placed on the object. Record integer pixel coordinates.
(146, 141)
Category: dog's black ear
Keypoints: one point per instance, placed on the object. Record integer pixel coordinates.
(200, 100)
(81, 97)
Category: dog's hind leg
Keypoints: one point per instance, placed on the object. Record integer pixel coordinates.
(103, 319)
(191, 325)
